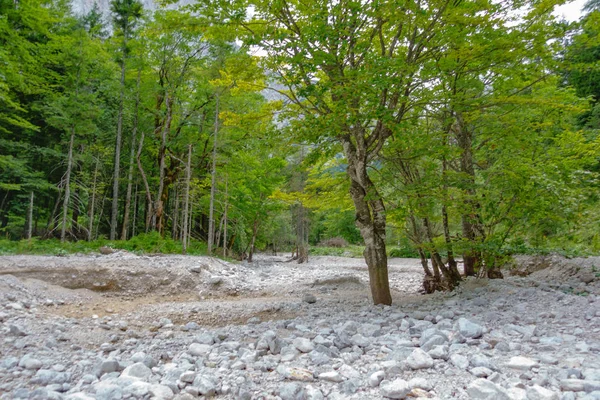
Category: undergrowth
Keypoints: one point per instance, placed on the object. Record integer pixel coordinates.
(150, 243)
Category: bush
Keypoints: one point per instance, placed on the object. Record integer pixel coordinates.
(403, 252)
(337, 242)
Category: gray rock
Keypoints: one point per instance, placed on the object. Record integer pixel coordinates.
(482, 389)
(459, 361)
(419, 360)
(439, 352)
(30, 363)
(137, 389)
(469, 329)
(479, 360)
(537, 392)
(292, 391)
(46, 377)
(79, 396)
(16, 330)
(331, 376)
(303, 345)
(318, 358)
(137, 370)
(313, 393)
(521, 363)
(205, 338)
(360, 341)
(375, 378)
(420, 383)
(198, 349)
(481, 372)
(161, 392)
(107, 391)
(396, 389)
(309, 298)
(187, 377)
(107, 366)
(206, 385)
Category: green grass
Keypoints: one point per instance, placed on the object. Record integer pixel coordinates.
(353, 251)
(150, 243)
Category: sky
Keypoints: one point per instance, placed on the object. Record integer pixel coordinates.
(570, 11)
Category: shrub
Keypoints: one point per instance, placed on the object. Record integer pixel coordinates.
(337, 242)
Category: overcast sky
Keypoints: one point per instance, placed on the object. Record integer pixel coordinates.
(570, 11)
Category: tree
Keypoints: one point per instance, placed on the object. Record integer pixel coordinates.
(126, 14)
(354, 71)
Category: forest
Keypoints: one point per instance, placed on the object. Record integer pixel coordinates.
(454, 131)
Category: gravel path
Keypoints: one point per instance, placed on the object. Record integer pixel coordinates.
(122, 326)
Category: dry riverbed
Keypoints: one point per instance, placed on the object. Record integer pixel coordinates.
(122, 326)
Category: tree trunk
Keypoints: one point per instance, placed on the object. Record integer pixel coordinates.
(135, 210)
(253, 241)
(211, 221)
(125, 227)
(159, 209)
(30, 217)
(149, 212)
(469, 216)
(116, 171)
(186, 207)
(225, 218)
(63, 229)
(92, 206)
(370, 219)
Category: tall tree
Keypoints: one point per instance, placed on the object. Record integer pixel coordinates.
(126, 14)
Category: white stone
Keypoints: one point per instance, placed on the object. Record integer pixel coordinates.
(482, 389)
(396, 389)
(536, 392)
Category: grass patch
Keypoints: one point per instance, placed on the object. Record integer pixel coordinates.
(150, 243)
(353, 251)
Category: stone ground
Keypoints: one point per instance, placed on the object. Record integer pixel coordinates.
(123, 326)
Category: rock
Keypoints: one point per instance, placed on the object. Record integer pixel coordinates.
(187, 377)
(309, 298)
(396, 389)
(482, 389)
(107, 366)
(469, 329)
(418, 359)
(105, 250)
(137, 370)
(420, 383)
(375, 378)
(481, 372)
(303, 345)
(79, 396)
(198, 349)
(30, 363)
(459, 361)
(360, 341)
(521, 363)
(161, 392)
(205, 338)
(206, 385)
(318, 358)
(331, 376)
(537, 392)
(439, 352)
(108, 391)
(292, 391)
(313, 393)
(16, 330)
(295, 373)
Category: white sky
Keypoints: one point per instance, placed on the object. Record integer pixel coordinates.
(570, 11)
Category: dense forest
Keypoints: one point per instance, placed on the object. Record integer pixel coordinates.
(454, 131)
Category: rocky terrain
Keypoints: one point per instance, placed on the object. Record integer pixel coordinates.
(122, 326)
